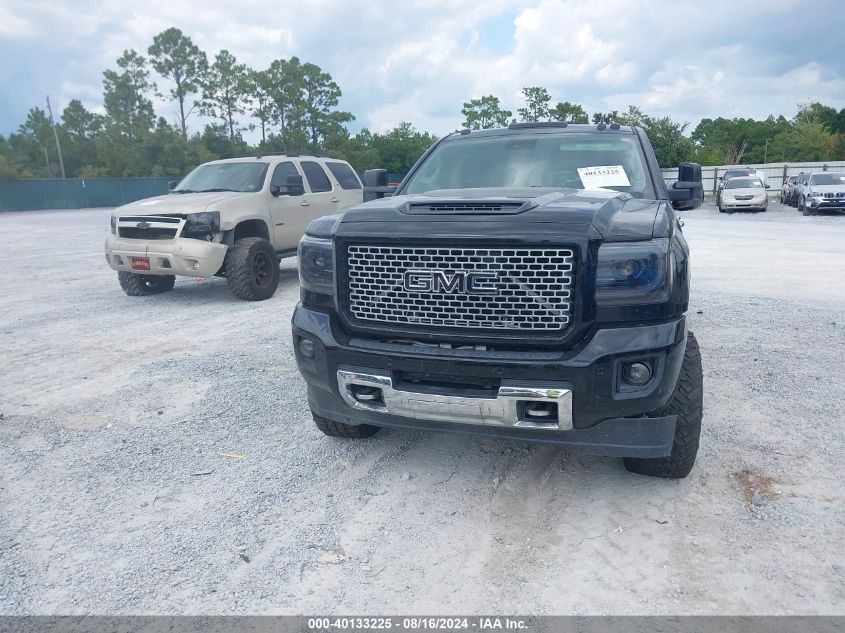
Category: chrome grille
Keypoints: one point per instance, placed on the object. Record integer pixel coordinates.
(534, 287)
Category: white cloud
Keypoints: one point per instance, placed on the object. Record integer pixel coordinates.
(421, 59)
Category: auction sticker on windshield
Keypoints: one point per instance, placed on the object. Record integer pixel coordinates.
(603, 176)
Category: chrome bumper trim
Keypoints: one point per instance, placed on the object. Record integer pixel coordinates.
(504, 410)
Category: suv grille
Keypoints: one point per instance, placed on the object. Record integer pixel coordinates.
(534, 287)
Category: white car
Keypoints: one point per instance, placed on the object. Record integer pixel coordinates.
(824, 191)
(747, 193)
(234, 218)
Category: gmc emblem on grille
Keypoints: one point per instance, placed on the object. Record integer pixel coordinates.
(471, 283)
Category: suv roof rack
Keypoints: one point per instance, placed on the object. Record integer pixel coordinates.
(263, 154)
(530, 124)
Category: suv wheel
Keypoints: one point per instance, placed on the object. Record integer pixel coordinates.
(339, 429)
(136, 285)
(805, 210)
(687, 404)
(252, 269)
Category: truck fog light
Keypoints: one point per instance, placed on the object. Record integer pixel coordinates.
(636, 374)
(306, 347)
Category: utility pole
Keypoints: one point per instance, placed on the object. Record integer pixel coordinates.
(56, 135)
(766, 151)
(46, 160)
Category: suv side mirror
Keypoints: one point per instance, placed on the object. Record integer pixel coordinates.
(295, 187)
(375, 184)
(688, 192)
(171, 184)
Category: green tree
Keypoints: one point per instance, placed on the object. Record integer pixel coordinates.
(175, 57)
(78, 131)
(225, 91)
(285, 88)
(569, 112)
(258, 92)
(485, 113)
(320, 96)
(129, 111)
(399, 148)
(667, 137)
(537, 101)
(805, 142)
(28, 145)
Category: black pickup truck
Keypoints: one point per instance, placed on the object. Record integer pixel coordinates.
(528, 283)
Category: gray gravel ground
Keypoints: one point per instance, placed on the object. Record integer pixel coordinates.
(117, 496)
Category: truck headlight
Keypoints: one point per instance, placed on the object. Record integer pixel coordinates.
(633, 273)
(316, 265)
(114, 224)
(201, 225)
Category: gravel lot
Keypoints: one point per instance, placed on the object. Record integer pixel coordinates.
(117, 496)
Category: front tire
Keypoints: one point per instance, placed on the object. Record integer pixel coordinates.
(802, 206)
(252, 269)
(339, 429)
(687, 403)
(137, 285)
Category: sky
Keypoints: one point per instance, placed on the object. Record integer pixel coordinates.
(419, 60)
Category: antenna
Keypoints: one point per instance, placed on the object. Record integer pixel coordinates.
(56, 135)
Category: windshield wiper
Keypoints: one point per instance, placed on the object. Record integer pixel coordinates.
(183, 191)
(216, 189)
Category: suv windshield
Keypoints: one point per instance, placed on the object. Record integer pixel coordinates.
(540, 160)
(744, 183)
(224, 177)
(827, 179)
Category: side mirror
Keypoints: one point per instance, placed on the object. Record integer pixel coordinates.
(295, 187)
(688, 192)
(171, 184)
(768, 186)
(375, 184)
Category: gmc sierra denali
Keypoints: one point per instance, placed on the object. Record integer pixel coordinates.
(528, 283)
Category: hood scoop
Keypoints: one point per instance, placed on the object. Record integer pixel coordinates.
(465, 207)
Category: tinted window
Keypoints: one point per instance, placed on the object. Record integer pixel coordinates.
(541, 160)
(317, 179)
(281, 173)
(827, 179)
(344, 174)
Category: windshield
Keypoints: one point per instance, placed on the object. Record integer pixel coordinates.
(542, 160)
(744, 183)
(224, 177)
(827, 179)
(733, 173)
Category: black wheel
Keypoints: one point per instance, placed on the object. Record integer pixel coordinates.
(687, 404)
(339, 429)
(136, 285)
(802, 207)
(721, 210)
(252, 269)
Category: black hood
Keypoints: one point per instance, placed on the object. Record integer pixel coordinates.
(499, 212)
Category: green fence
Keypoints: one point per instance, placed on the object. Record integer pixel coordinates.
(77, 193)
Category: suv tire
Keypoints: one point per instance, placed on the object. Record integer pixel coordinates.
(137, 285)
(687, 404)
(802, 206)
(339, 429)
(252, 269)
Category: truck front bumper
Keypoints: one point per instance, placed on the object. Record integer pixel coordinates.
(587, 408)
(178, 256)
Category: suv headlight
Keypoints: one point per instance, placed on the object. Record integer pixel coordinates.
(629, 273)
(316, 265)
(114, 224)
(201, 225)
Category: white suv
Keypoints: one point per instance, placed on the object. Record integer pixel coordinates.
(232, 218)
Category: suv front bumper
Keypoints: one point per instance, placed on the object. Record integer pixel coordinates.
(422, 387)
(177, 256)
